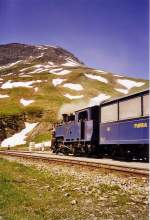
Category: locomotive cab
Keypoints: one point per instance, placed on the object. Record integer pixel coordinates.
(89, 125)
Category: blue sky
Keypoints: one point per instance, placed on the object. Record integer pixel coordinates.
(107, 34)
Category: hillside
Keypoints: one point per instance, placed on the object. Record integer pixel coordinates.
(38, 83)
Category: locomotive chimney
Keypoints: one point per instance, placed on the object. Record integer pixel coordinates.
(71, 117)
(65, 117)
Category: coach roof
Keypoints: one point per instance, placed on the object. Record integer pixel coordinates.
(125, 96)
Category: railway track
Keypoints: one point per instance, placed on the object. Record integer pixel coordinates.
(124, 167)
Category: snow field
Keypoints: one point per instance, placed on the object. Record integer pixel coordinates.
(18, 138)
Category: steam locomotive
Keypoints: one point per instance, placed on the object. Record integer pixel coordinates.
(117, 128)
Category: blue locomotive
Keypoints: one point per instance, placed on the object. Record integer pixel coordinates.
(118, 128)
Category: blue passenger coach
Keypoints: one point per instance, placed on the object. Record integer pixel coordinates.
(124, 125)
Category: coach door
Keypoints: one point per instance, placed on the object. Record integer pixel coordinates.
(82, 130)
(82, 117)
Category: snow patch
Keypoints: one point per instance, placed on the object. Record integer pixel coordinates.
(8, 74)
(26, 102)
(59, 71)
(3, 96)
(19, 138)
(76, 87)
(57, 81)
(118, 75)
(130, 83)
(98, 99)
(10, 64)
(101, 71)
(52, 46)
(36, 89)
(42, 145)
(51, 63)
(40, 47)
(73, 96)
(41, 55)
(24, 69)
(38, 70)
(125, 91)
(24, 75)
(70, 62)
(39, 67)
(9, 84)
(99, 78)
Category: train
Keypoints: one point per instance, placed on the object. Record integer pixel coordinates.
(116, 128)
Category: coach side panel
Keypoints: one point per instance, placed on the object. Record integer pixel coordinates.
(134, 131)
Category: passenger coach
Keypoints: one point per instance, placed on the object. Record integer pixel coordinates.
(124, 126)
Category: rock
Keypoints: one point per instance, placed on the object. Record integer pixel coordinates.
(10, 125)
(74, 202)
(66, 194)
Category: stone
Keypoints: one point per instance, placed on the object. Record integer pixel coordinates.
(74, 202)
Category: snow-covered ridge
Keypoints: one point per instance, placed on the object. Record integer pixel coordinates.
(99, 78)
(18, 138)
(73, 86)
(130, 83)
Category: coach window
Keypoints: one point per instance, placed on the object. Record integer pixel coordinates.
(83, 115)
(146, 105)
(109, 113)
(130, 108)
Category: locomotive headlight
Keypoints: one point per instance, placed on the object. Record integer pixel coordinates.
(108, 128)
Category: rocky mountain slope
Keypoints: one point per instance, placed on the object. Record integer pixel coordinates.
(41, 82)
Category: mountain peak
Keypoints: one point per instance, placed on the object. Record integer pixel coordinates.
(13, 52)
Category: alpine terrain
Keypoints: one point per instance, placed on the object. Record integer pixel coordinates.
(39, 83)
